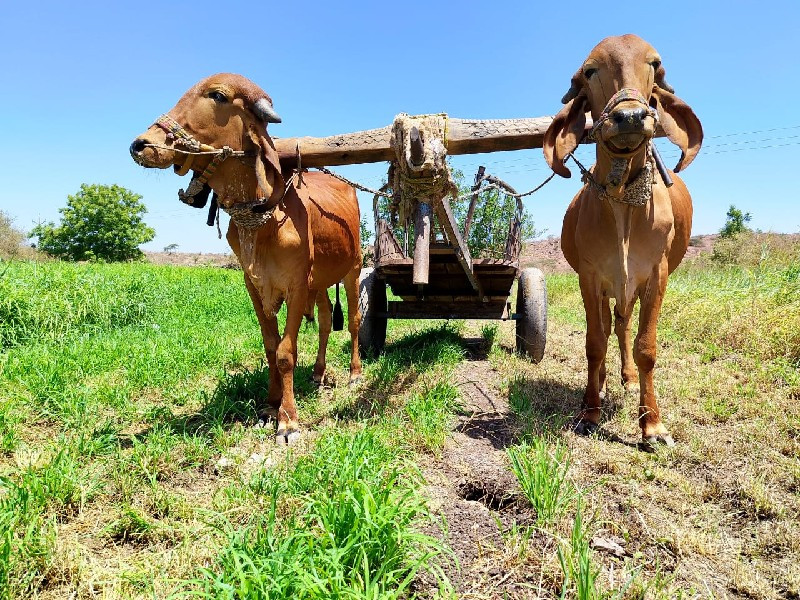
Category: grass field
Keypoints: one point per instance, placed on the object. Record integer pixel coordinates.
(133, 465)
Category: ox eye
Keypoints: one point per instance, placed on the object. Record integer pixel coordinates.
(589, 72)
(656, 63)
(218, 97)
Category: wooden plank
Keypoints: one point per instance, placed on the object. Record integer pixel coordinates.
(422, 231)
(464, 136)
(460, 310)
(460, 299)
(448, 223)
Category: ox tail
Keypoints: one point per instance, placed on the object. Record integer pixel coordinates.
(338, 316)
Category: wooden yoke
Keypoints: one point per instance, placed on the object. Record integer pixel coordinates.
(464, 136)
(417, 147)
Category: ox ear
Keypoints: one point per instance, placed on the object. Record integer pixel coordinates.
(565, 133)
(680, 124)
(268, 165)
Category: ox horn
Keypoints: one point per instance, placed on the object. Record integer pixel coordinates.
(265, 112)
(571, 94)
(660, 80)
(575, 86)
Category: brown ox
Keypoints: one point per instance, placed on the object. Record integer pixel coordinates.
(625, 231)
(293, 242)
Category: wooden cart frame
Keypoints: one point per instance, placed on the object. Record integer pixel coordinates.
(435, 277)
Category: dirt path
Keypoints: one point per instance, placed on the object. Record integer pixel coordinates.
(472, 487)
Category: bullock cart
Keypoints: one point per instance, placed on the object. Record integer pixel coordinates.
(428, 266)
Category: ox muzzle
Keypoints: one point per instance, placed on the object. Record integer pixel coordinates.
(626, 124)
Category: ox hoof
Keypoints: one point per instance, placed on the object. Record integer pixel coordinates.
(354, 381)
(654, 442)
(585, 428)
(287, 437)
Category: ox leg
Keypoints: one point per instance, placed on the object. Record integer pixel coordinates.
(353, 322)
(596, 346)
(270, 337)
(605, 316)
(288, 426)
(622, 327)
(644, 353)
(325, 323)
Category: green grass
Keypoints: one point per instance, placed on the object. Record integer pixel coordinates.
(430, 413)
(579, 570)
(341, 522)
(123, 383)
(733, 308)
(542, 471)
(123, 388)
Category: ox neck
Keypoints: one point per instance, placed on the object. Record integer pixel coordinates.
(614, 174)
(243, 199)
(237, 185)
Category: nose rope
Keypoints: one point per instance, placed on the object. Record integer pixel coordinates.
(176, 131)
(624, 95)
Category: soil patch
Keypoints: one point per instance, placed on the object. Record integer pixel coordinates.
(472, 487)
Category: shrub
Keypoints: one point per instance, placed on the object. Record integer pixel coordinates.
(100, 222)
(11, 239)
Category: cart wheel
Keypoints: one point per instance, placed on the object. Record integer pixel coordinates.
(532, 314)
(371, 302)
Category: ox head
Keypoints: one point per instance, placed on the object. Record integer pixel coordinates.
(622, 84)
(219, 111)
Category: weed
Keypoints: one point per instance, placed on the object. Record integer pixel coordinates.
(575, 557)
(430, 413)
(542, 474)
(353, 536)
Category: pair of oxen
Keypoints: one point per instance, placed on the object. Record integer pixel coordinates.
(624, 232)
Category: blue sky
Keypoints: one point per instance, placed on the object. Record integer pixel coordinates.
(84, 78)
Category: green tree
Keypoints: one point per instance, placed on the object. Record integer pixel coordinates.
(735, 223)
(100, 222)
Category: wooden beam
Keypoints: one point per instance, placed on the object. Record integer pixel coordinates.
(422, 242)
(464, 136)
(448, 310)
(448, 223)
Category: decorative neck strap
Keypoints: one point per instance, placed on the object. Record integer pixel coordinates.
(637, 192)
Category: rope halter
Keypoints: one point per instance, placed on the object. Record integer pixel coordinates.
(192, 147)
(624, 95)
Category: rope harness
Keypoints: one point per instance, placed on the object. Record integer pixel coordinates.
(624, 95)
(422, 177)
(245, 214)
(193, 147)
(638, 191)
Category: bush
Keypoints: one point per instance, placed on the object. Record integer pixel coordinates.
(11, 240)
(100, 222)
